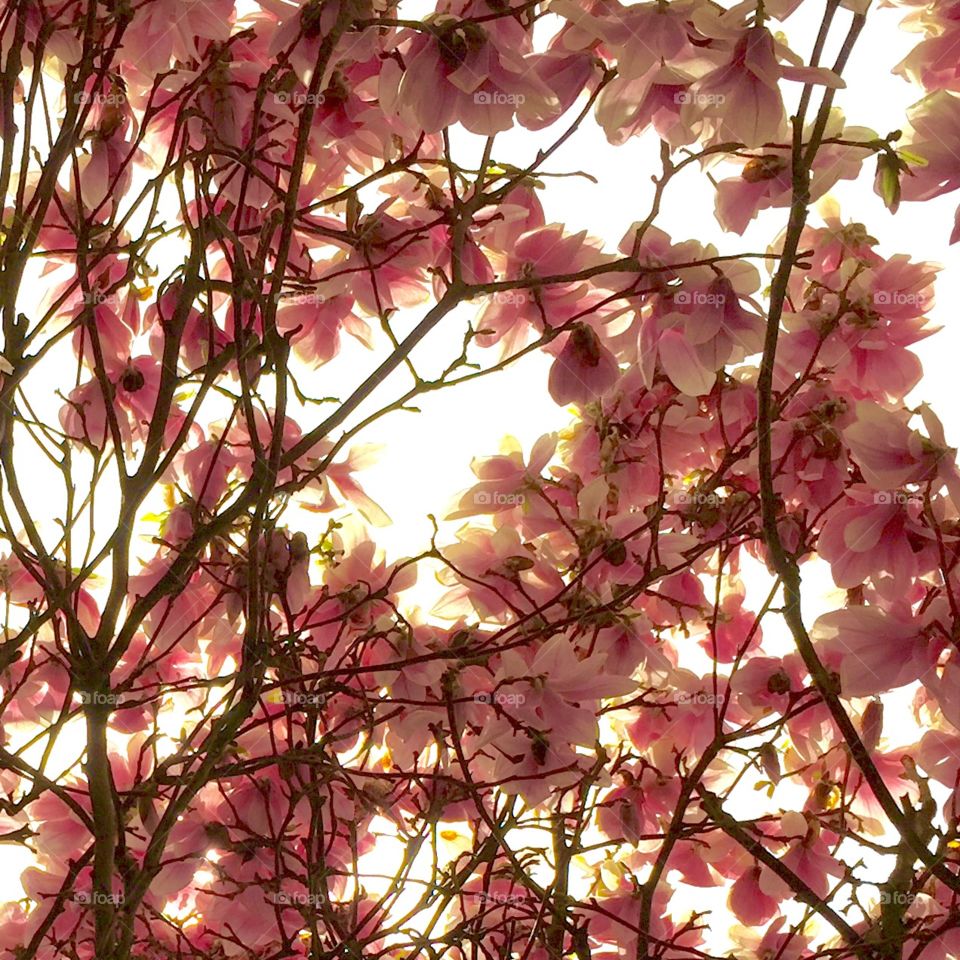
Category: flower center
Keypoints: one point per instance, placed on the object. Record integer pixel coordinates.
(132, 380)
(458, 41)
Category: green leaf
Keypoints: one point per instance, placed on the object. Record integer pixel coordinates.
(914, 159)
(887, 182)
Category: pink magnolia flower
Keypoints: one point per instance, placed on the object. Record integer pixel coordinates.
(808, 857)
(695, 330)
(734, 625)
(349, 127)
(788, 945)
(863, 339)
(637, 36)
(84, 416)
(385, 266)
(178, 620)
(766, 181)
(314, 322)
(690, 705)
(365, 567)
(565, 75)
(946, 945)
(629, 106)
(875, 533)
(202, 338)
(297, 29)
(480, 74)
(239, 438)
(813, 466)
(932, 63)
(180, 29)
(495, 573)
(530, 763)
(678, 596)
(15, 926)
(115, 329)
(938, 755)
(503, 478)
(616, 925)
(873, 651)
(890, 454)
(510, 315)
(60, 831)
(811, 861)
(648, 41)
(584, 368)
(558, 680)
(339, 476)
(41, 691)
(638, 806)
(764, 684)
(741, 99)
(518, 213)
(934, 136)
(204, 470)
(750, 905)
(833, 244)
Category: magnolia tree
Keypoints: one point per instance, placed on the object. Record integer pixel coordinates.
(620, 731)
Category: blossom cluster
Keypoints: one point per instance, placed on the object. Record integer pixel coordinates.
(279, 754)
